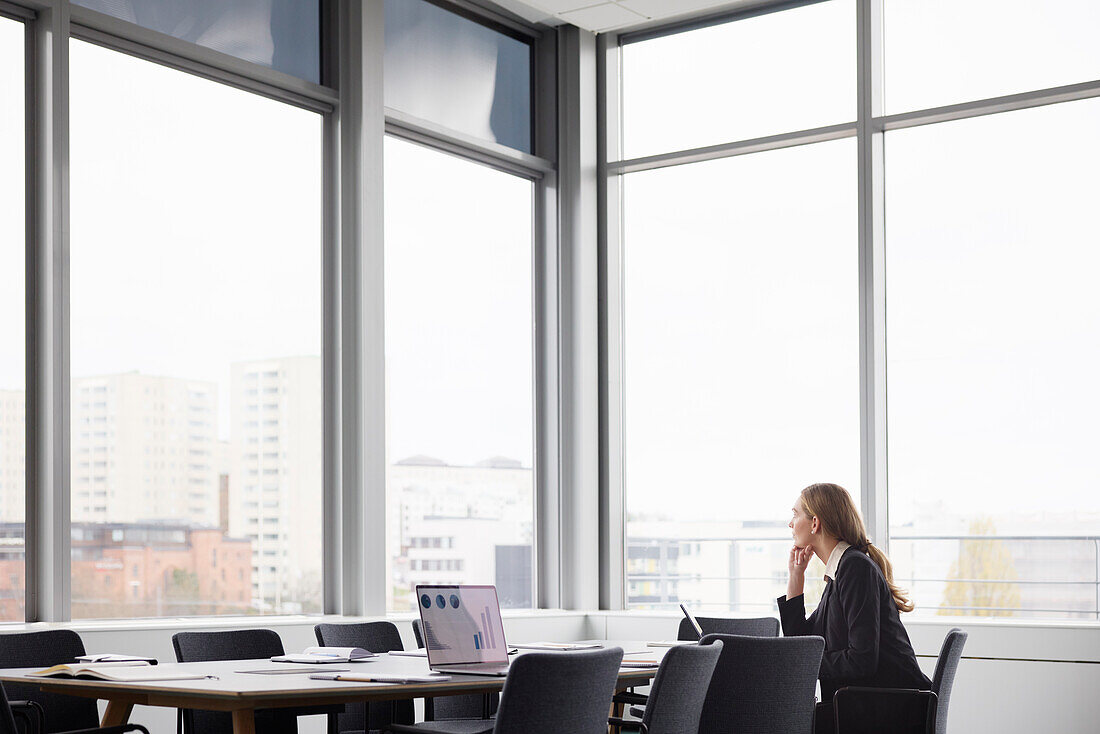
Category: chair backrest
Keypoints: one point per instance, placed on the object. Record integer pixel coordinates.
(944, 678)
(748, 627)
(192, 647)
(680, 687)
(376, 637)
(373, 636)
(762, 685)
(556, 692)
(416, 633)
(41, 650)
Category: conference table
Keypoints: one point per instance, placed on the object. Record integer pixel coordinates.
(242, 686)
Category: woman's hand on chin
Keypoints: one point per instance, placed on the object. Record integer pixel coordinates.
(799, 559)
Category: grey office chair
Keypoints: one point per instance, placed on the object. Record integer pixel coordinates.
(246, 644)
(41, 650)
(377, 637)
(745, 626)
(448, 708)
(864, 710)
(678, 691)
(861, 710)
(34, 719)
(943, 680)
(546, 693)
(765, 685)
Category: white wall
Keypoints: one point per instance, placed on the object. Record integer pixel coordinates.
(1014, 678)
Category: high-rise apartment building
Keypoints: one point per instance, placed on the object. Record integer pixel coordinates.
(275, 492)
(143, 449)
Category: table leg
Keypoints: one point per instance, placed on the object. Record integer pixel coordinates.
(244, 721)
(118, 712)
(616, 712)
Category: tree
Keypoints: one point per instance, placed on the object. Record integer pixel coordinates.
(981, 560)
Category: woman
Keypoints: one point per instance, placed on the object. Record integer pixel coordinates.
(865, 643)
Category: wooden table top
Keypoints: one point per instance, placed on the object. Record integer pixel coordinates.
(237, 685)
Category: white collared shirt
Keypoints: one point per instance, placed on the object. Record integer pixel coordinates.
(834, 559)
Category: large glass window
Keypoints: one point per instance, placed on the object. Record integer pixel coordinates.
(453, 71)
(195, 345)
(740, 353)
(13, 274)
(459, 375)
(740, 320)
(941, 52)
(284, 35)
(759, 76)
(740, 367)
(993, 325)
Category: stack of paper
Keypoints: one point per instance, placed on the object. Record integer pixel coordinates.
(325, 655)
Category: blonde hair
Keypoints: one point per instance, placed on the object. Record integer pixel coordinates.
(836, 511)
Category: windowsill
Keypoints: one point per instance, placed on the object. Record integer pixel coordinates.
(907, 619)
(990, 639)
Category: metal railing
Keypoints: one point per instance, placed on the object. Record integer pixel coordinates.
(1037, 592)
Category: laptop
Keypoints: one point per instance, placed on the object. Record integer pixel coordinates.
(463, 631)
(691, 618)
(674, 643)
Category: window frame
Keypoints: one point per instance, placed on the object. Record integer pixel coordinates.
(354, 123)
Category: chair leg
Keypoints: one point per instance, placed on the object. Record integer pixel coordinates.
(616, 712)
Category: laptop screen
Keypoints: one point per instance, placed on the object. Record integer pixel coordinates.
(691, 618)
(462, 624)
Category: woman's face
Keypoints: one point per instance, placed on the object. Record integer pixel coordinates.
(800, 525)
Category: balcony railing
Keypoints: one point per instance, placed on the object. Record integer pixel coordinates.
(1036, 576)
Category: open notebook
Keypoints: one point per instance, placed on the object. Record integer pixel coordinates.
(120, 671)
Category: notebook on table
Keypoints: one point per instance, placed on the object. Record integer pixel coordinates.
(117, 671)
(463, 631)
(559, 646)
(322, 655)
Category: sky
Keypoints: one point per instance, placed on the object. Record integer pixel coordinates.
(459, 308)
(12, 222)
(741, 367)
(201, 246)
(196, 223)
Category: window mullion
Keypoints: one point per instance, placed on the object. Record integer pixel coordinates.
(872, 272)
(47, 508)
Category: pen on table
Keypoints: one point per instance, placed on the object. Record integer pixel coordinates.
(363, 678)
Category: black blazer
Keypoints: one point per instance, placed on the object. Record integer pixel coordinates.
(865, 643)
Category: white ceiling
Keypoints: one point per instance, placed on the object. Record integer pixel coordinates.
(613, 15)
